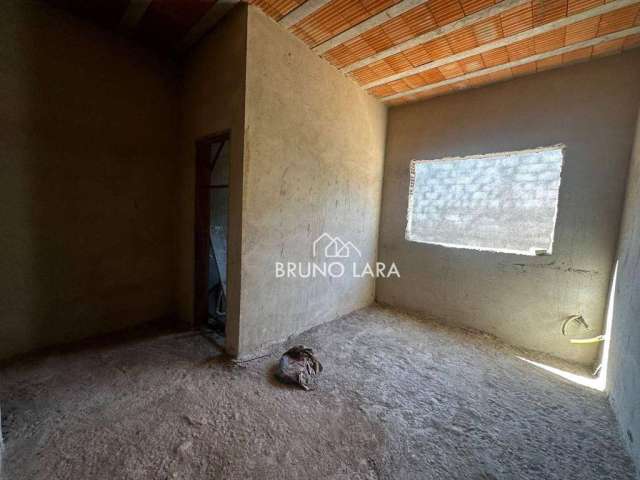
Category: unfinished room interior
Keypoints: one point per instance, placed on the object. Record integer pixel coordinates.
(320, 239)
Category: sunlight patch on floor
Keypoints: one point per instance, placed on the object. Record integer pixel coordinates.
(596, 383)
(599, 381)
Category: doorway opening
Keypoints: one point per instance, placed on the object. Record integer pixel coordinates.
(211, 236)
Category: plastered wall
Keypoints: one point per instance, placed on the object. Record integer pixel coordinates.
(98, 229)
(624, 358)
(591, 108)
(314, 147)
(87, 169)
(212, 101)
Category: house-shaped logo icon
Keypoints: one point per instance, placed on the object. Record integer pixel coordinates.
(334, 247)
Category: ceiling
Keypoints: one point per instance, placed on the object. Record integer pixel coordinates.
(405, 50)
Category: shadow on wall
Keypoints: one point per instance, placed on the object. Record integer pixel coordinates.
(87, 241)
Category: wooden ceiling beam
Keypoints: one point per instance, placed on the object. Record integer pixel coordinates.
(534, 58)
(303, 11)
(502, 42)
(438, 32)
(368, 24)
(134, 13)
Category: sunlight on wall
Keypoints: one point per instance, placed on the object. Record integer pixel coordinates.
(599, 381)
(608, 329)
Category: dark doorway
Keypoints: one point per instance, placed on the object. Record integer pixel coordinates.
(211, 232)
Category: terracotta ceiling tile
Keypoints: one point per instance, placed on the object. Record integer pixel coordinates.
(339, 56)
(579, 55)
(381, 91)
(451, 70)
(546, 42)
(471, 64)
(517, 20)
(359, 48)
(497, 56)
(415, 81)
(381, 69)
(353, 13)
(376, 6)
(473, 6)
(438, 48)
(398, 63)
(377, 39)
(446, 11)
(548, 11)
(277, 8)
(327, 21)
(608, 48)
(462, 40)
(399, 86)
(577, 6)
(363, 75)
(522, 49)
(487, 30)
(418, 55)
(338, 16)
(419, 19)
(432, 76)
(397, 30)
(581, 31)
(618, 19)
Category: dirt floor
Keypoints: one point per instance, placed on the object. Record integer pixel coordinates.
(399, 398)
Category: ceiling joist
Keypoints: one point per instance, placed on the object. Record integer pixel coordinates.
(497, 9)
(594, 12)
(534, 58)
(371, 22)
(303, 11)
(402, 49)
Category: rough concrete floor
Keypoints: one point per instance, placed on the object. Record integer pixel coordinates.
(399, 398)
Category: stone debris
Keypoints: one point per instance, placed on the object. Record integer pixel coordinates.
(299, 366)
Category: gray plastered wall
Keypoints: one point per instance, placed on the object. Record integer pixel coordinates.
(87, 156)
(520, 299)
(624, 357)
(314, 150)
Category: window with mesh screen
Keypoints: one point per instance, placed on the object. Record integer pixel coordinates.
(502, 202)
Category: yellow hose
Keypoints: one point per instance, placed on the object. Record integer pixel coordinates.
(599, 338)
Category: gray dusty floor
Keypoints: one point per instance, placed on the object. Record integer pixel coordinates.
(399, 399)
